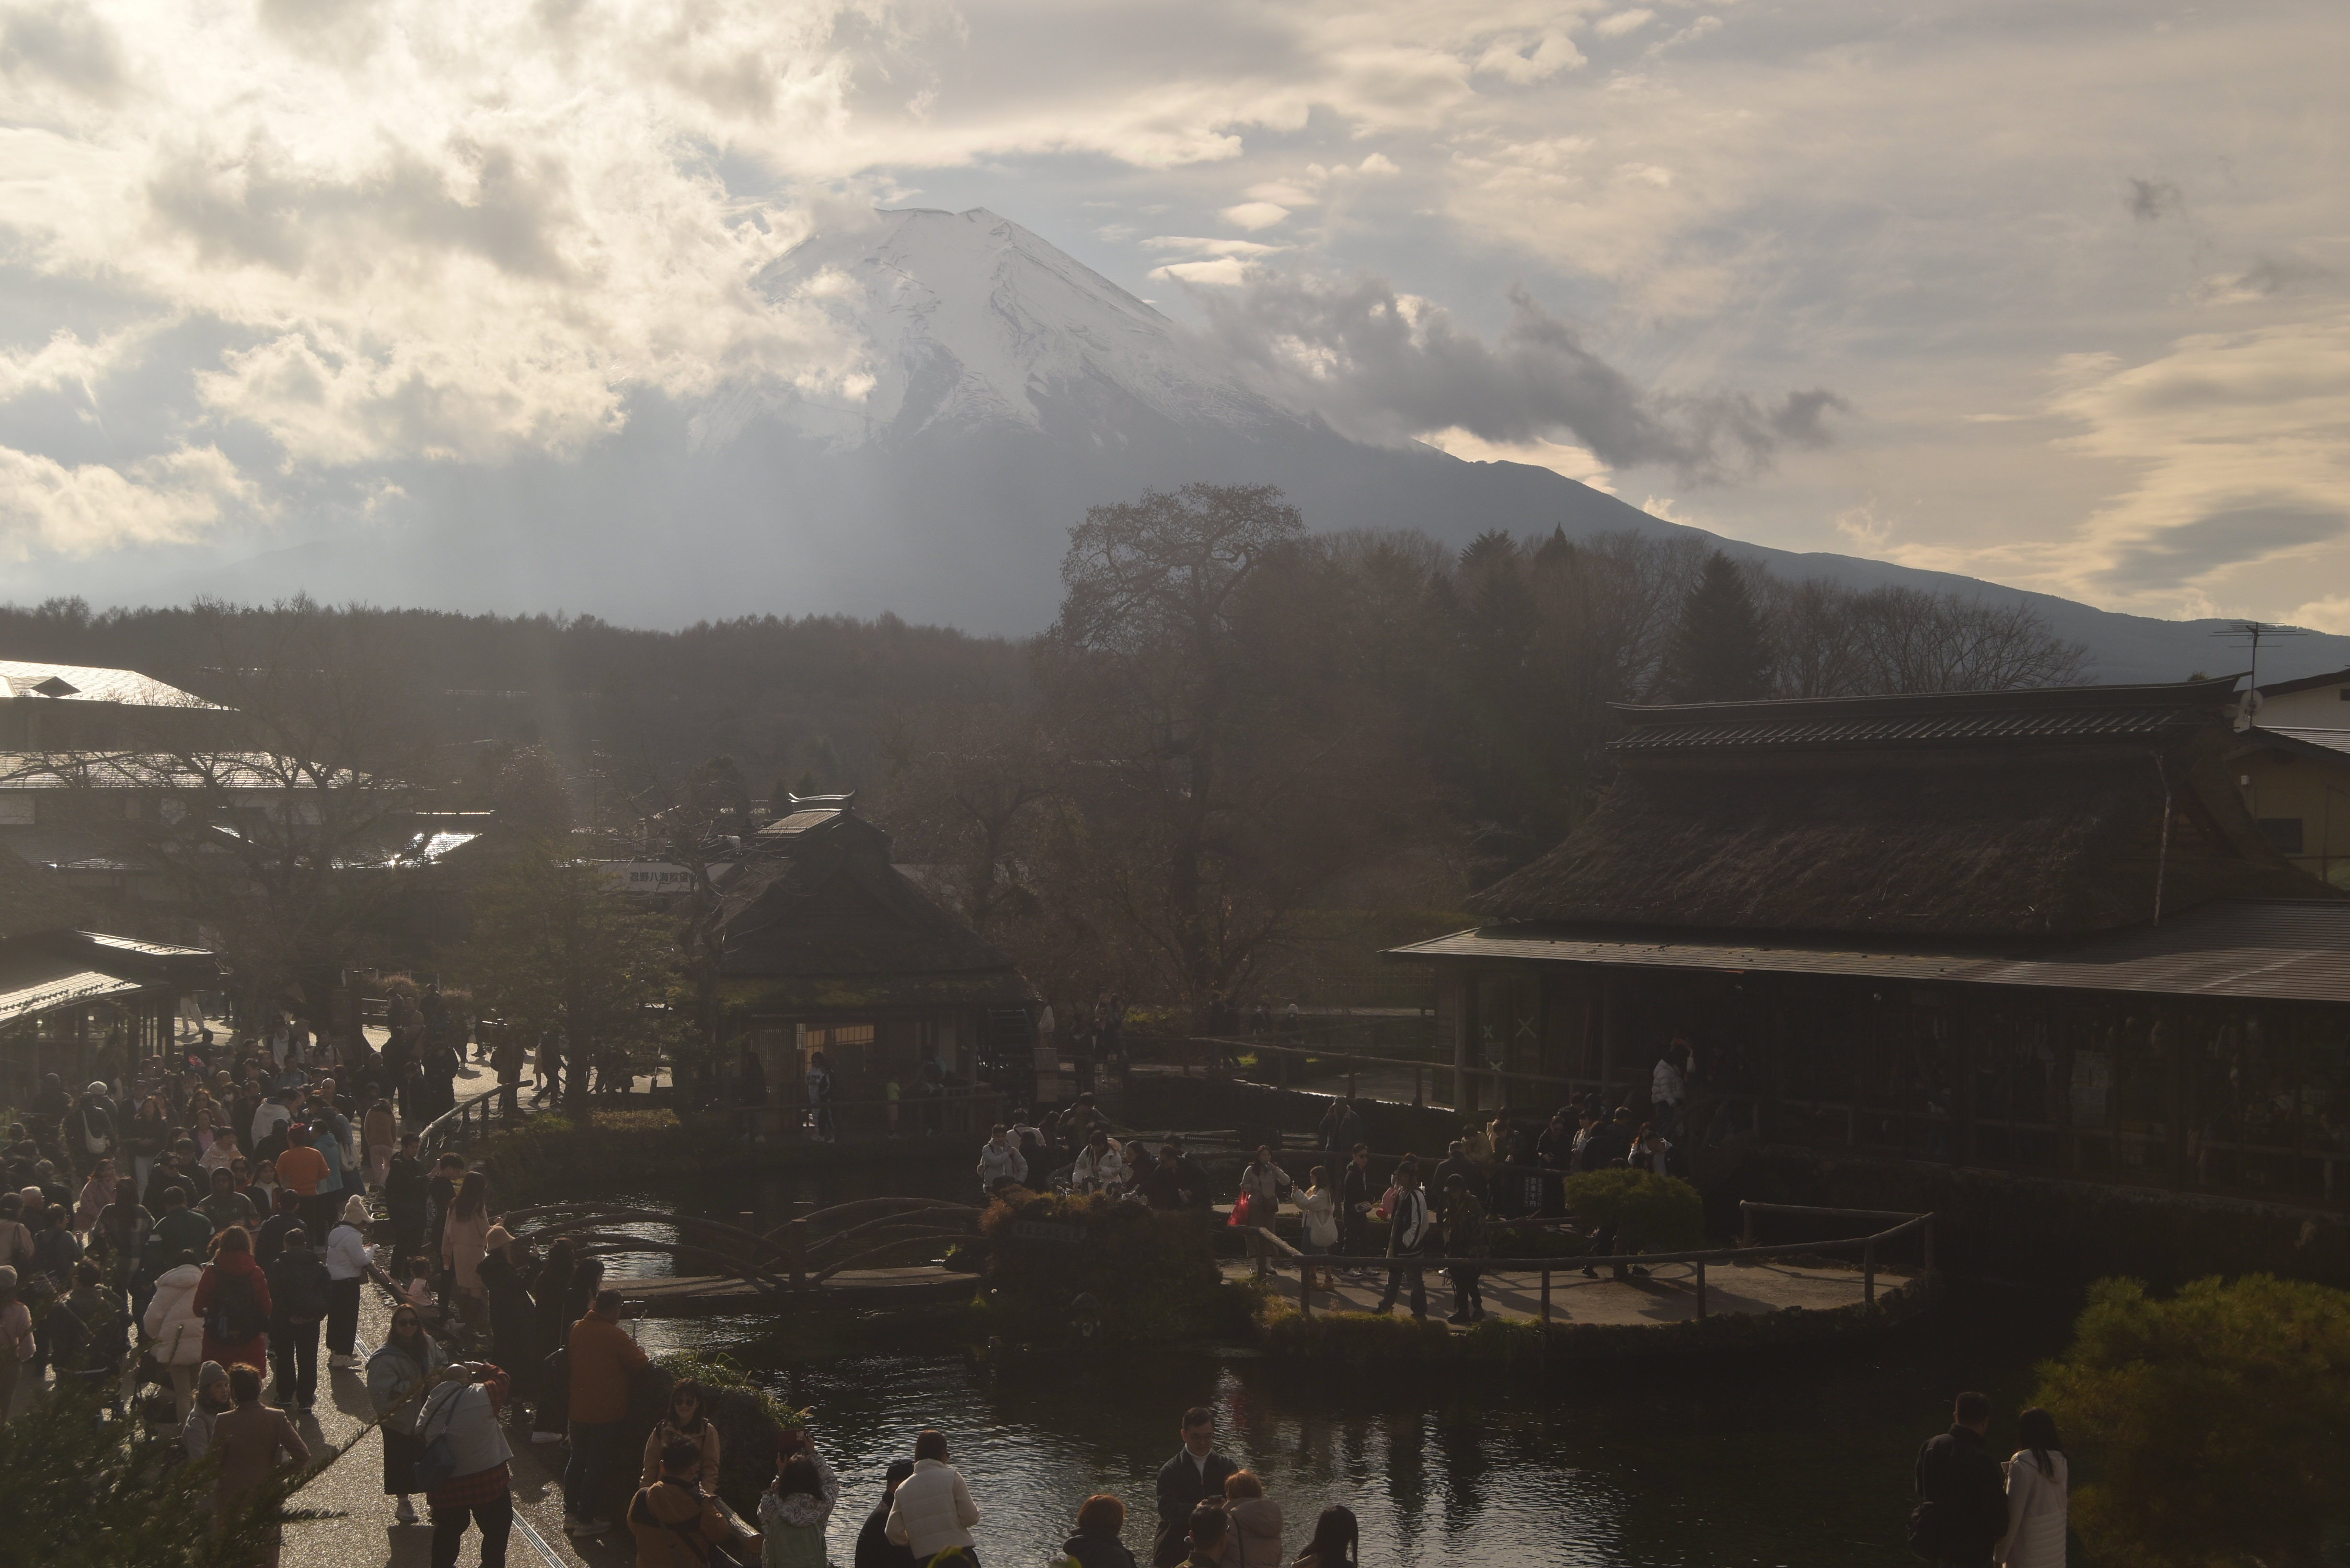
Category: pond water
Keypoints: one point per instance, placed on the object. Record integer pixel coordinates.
(1787, 1459)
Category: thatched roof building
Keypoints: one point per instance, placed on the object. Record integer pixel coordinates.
(825, 945)
(1995, 813)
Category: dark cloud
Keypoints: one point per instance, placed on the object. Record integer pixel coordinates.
(1379, 367)
(2149, 200)
(2276, 274)
(2177, 556)
(64, 42)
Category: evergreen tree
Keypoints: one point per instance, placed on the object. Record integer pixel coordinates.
(1719, 652)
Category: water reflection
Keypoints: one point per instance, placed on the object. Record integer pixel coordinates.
(1793, 1460)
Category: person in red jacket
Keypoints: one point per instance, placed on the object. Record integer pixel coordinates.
(233, 1296)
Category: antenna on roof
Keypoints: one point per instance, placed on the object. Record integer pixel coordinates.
(2253, 632)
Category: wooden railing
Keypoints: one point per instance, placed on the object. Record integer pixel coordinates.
(1866, 1245)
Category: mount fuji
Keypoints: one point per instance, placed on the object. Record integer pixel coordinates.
(1003, 387)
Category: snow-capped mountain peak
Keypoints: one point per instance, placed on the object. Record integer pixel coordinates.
(971, 323)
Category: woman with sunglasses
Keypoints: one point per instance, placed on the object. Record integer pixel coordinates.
(397, 1375)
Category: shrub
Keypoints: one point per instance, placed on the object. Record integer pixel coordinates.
(1651, 1213)
(1152, 1275)
(2218, 1422)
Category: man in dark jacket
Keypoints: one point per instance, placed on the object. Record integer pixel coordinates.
(1358, 1193)
(874, 1547)
(1197, 1472)
(297, 1304)
(1455, 1163)
(1961, 1491)
(405, 1190)
(180, 1172)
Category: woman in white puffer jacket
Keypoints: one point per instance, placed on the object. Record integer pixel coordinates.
(177, 1332)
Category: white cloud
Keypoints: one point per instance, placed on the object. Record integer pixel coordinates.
(1254, 215)
(1527, 60)
(1224, 272)
(1574, 462)
(47, 507)
(1622, 22)
(1199, 246)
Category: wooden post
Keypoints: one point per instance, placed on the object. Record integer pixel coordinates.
(1700, 1290)
(1868, 1273)
(1745, 1224)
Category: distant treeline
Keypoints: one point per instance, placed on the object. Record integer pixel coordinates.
(1233, 731)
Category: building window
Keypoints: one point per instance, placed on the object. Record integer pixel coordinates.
(2284, 833)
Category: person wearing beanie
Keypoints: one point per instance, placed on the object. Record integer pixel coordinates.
(348, 1257)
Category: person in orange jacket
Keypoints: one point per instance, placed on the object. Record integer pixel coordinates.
(602, 1359)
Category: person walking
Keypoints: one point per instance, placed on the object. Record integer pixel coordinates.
(602, 1359)
(379, 1134)
(248, 1441)
(464, 1408)
(874, 1547)
(1961, 1508)
(1095, 1545)
(1358, 1192)
(1336, 1543)
(1407, 1240)
(176, 1331)
(402, 1367)
(551, 1394)
(676, 1526)
(1464, 1240)
(2039, 1493)
(795, 1510)
(233, 1299)
(1196, 1473)
(119, 1241)
(1263, 1186)
(932, 1513)
(1255, 1535)
(300, 1291)
(349, 1257)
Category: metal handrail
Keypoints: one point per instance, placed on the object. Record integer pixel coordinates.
(459, 1115)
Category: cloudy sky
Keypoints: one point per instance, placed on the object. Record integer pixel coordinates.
(2056, 293)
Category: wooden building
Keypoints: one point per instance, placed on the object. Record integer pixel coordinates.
(79, 1002)
(2037, 931)
(826, 946)
(2292, 766)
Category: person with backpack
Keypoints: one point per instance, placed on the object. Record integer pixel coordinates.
(1961, 1508)
(299, 1287)
(233, 1299)
(175, 1330)
(89, 1333)
(676, 1526)
(468, 1478)
(397, 1374)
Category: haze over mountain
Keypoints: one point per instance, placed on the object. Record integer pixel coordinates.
(1004, 386)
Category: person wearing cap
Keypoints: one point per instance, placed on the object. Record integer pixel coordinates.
(348, 1257)
(211, 1401)
(874, 1547)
